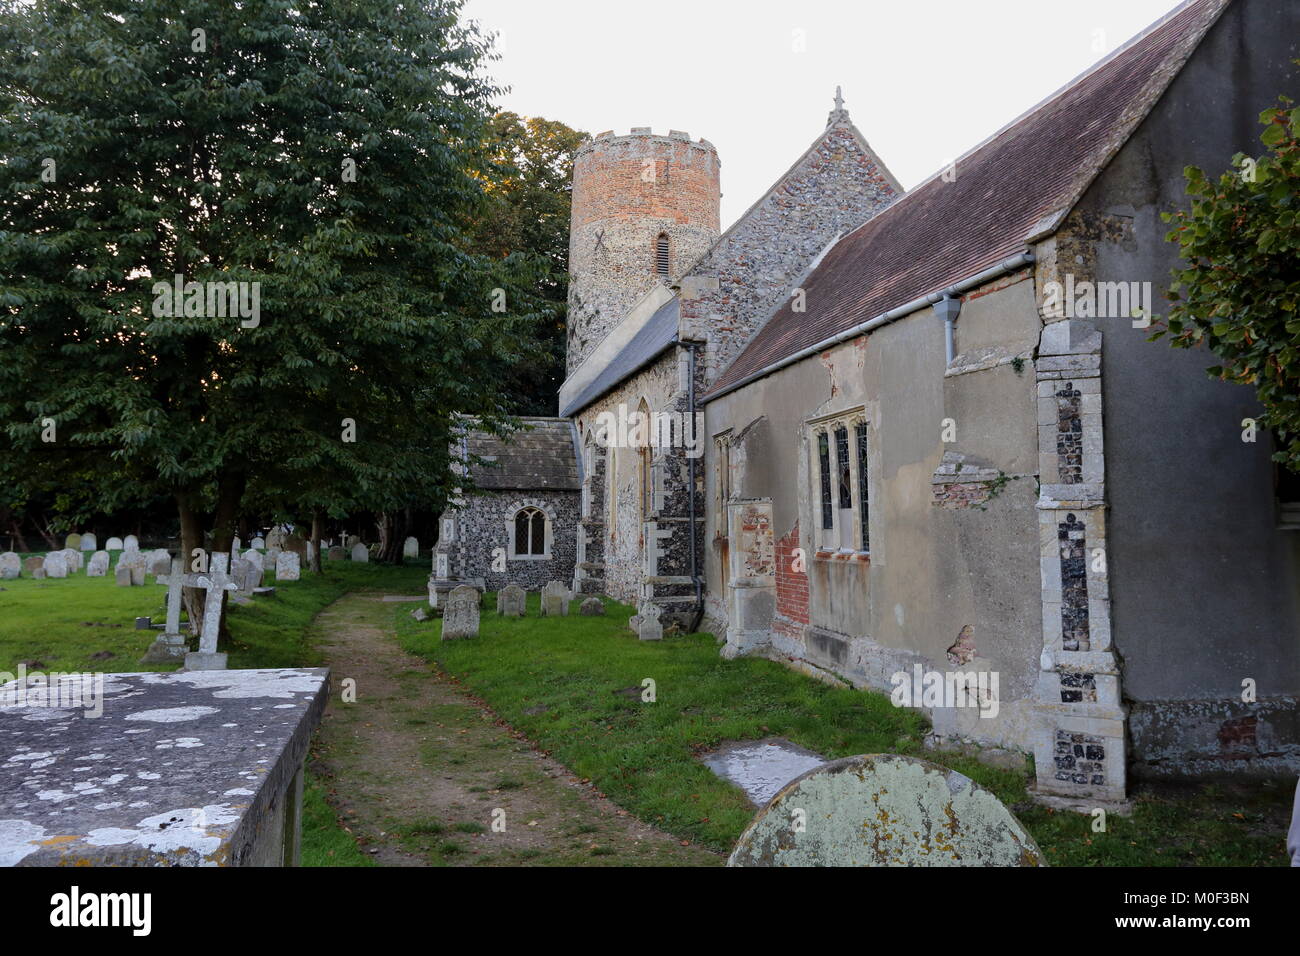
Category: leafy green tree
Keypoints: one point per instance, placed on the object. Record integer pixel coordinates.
(1239, 292)
(328, 155)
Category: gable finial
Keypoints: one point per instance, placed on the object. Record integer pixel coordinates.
(839, 114)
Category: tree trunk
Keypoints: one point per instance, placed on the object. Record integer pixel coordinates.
(191, 540)
(315, 542)
(392, 534)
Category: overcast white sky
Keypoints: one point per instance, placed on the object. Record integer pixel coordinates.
(924, 80)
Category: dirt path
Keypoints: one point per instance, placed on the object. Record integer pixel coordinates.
(420, 770)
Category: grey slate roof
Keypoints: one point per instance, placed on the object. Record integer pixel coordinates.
(540, 457)
(659, 332)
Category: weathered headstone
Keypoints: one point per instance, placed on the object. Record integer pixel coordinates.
(89, 542)
(272, 555)
(335, 554)
(56, 565)
(32, 565)
(885, 810)
(130, 543)
(511, 601)
(11, 565)
(275, 539)
(351, 542)
(411, 548)
(113, 544)
(122, 576)
(170, 645)
(460, 618)
(137, 576)
(254, 558)
(236, 544)
(359, 553)
(74, 559)
(651, 628)
(159, 562)
(592, 607)
(258, 544)
(217, 580)
(555, 599)
(287, 567)
(72, 541)
(97, 566)
(297, 545)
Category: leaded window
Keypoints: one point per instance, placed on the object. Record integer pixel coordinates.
(824, 456)
(864, 501)
(530, 532)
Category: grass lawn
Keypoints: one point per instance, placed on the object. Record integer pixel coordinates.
(574, 686)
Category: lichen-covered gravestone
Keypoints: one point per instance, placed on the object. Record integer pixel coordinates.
(885, 810)
(555, 599)
(650, 629)
(254, 558)
(460, 618)
(287, 566)
(148, 769)
(56, 565)
(72, 541)
(592, 607)
(359, 553)
(34, 566)
(217, 580)
(411, 548)
(511, 601)
(74, 558)
(170, 645)
(97, 566)
(335, 554)
(11, 566)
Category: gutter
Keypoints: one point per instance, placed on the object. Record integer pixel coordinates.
(1002, 268)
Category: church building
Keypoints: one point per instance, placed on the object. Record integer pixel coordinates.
(889, 436)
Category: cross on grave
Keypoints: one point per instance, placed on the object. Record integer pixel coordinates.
(214, 582)
(170, 644)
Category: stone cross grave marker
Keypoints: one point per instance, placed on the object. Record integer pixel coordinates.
(214, 582)
(885, 810)
(510, 601)
(170, 645)
(460, 619)
(651, 628)
(555, 599)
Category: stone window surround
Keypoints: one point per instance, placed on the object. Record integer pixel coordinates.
(512, 513)
(828, 541)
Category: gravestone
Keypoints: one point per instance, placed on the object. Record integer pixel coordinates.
(272, 555)
(275, 539)
(239, 569)
(159, 562)
(651, 628)
(34, 567)
(130, 543)
(335, 554)
(351, 541)
(11, 566)
(122, 576)
(411, 548)
(170, 644)
(97, 566)
(217, 580)
(359, 553)
(113, 544)
(254, 558)
(74, 559)
(287, 567)
(460, 618)
(72, 541)
(175, 778)
(56, 565)
(555, 599)
(236, 544)
(885, 810)
(592, 607)
(258, 544)
(89, 542)
(511, 601)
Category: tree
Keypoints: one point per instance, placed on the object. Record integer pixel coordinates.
(1239, 293)
(318, 160)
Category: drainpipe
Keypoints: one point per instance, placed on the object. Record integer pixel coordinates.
(695, 558)
(948, 308)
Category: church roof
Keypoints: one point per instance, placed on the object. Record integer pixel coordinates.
(1013, 189)
(541, 456)
(659, 332)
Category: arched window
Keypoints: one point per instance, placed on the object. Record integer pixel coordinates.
(530, 532)
(645, 468)
(661, 255)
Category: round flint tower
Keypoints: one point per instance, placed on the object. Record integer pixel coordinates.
(645, 208)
